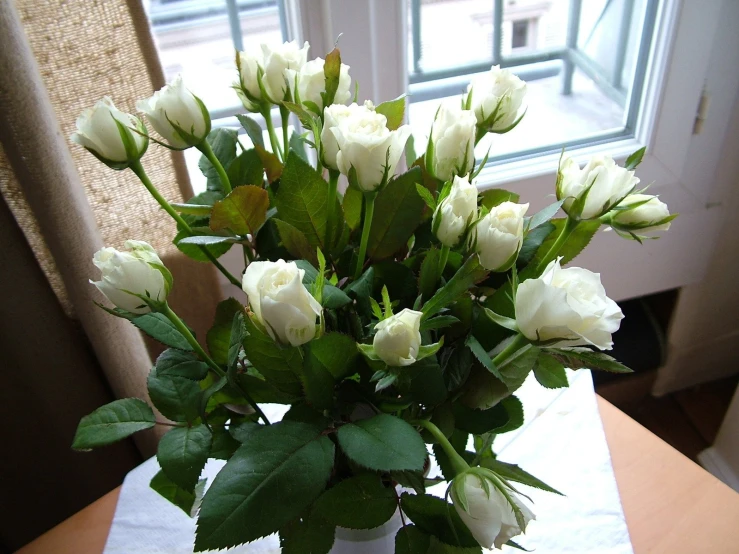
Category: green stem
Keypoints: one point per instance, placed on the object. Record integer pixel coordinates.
(458, 463)
(284, 115)
(369, 210)
(479, 133)
(192, 341)
(333, 183)
(516, 344)
(207, 151)
(567, 230)
(138, 169)
(276, 150)
(443, 259)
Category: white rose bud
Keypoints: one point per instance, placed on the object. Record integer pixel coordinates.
(177, 115)
(333, 115)
(641, 212)
(366, 144)
(247, 89)
(606, 183)
(98, 130)
(496, 99)
(281, 302)
(498, 236)
(125, 274)
(453, 137)
(276, 60)
(398, 338)
(312, 82)
(489, 517)
(568, 304)
(455, 212)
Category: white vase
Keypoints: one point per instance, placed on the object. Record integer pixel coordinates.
(380, 540)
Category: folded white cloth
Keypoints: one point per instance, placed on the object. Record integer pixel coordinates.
(561, 442)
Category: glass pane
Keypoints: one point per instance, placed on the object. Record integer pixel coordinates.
(576, 94)
(196, 38)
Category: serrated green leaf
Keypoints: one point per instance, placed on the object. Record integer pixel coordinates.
(238, 334)
(243, 211)
(383, 443)
(207, 240)
(178, 398)
(352, 204)
(436, 517)
(410, 480)
(246, 169)
(512, 472)
(181, 364)
(297, 145)
(542, 217)
(514, 370)
(272, 165)
(223, 143)
(310, 535)
(360, 502)
(427, 381)
(514, 409)
(113, 422)
(295, 242)
(635, 159)
(394, 111)
(253, 129)
(398, 211)
(411, 540)
(218, 337)
(331, 72)
(426, 195)
(168, 489)
(428, 277)
(217, 246)
(277, 473)
(575, 244)
(224, 445)
(335, 352)
(577, 357)
(438, 322)
(478, 422)
(278, 364)
(182, 454)
(332, 297)
(192, 209)
(494, 197)
(467, 275)
(532, 242)
(158, 327)
(550, 372)
(483, 390)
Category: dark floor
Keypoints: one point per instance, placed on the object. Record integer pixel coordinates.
(688, 419)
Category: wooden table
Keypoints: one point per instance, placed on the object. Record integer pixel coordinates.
(672, 505)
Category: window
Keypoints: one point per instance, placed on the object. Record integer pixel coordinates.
(584, 63)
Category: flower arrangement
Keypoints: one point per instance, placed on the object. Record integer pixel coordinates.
(396, 319)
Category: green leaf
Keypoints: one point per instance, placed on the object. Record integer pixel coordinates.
(192, 209)
(113, 422)
(394, 111)
(411, 540)
(352, 204)
(277, 473)
(158, 327)
(332, 296)
(180, 364)
(224, 445)
(575, 244)
(216, 246)
(398, 211)
(635, 159)
(483, 390)
(278, 364)
(311, 535)
(272, 165)
(512, 472)
(542, 217)
(295, 242)
(577, 357)
(434, 516)
(383, 443)
(185, 500)
(360, 502)
(178, 398)
(478, 422)
(318, 385)
(223, 143)
(207, 240)
(243, 211)
(334, 352)
(331, 71)
(514, 409)
(297, 145)
(439, 322)
(427, 381)
(302, 201)
(494, 197)
(218, 337)
(550, 372)
(182, 454)
(428, 277)
(532, 242)
(252, 128)
(469, 274)
(246, 169)
(410, 480)
(426, 195)
(515, 370)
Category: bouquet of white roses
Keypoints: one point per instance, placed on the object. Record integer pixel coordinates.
(396, 319)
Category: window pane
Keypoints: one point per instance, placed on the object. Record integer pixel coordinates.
(581, 60)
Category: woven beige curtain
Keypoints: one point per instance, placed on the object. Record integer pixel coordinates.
(57, 58)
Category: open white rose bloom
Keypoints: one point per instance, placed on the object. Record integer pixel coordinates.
(390, 306)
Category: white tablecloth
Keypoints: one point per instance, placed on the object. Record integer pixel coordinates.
(561, 442)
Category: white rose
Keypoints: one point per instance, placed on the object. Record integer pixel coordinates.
(276, 60)
(177, 114)
(280, 301)
(568, 304)
(498, 236)
(247, 89)
(398, 338)
(489, 517)
(455, 212)
(125, 274)
(312, 82)
(97, 131)
(453, 137)
(496, 98)
(648, 213)
(333, 115)
(610, 184)
(366, 144)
